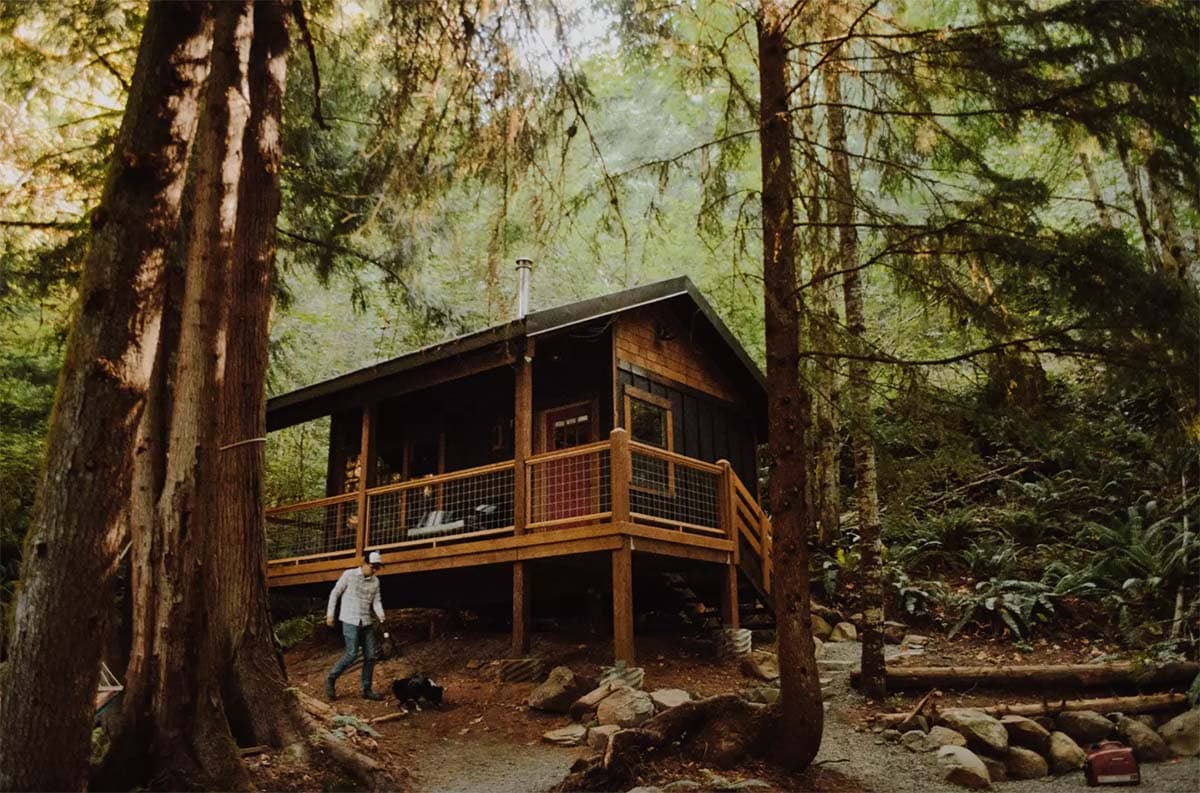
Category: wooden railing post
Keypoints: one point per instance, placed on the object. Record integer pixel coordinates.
(620, 464)
(522, 437)
(726, 510)
(366, 452)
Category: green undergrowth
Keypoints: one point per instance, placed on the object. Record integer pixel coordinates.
(1062, 516)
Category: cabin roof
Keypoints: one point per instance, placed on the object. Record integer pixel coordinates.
(311, 401)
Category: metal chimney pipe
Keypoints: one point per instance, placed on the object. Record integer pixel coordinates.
(524, 276)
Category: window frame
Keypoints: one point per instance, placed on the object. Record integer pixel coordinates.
(631, 393)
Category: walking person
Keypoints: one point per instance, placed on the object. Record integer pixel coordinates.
(361, 608)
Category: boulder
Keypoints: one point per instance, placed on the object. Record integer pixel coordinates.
(556, 693)
(1084, 726)
(1147, 745)
(829, 615)
(963, 767)
(1022, 763)
(995, 768)
(893, 632)
(1026, 733)
(944, 736)
(571, 735)
(980, 729)
(762, 665)
(891, 736)
(1045, 722)
(1182, 733)
(1147, 719)
(625, 706)
(818, 648)
(820, 628)
(914, 640)
(844, 632)
(913, 740)
(763, 695)
(1063, 754)
(586, 705)
(665, 698)
(597, 737)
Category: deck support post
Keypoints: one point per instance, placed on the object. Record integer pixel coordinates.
(521, 611)
(366, 469)
(622, 592)
(522, 449)
(729, 597)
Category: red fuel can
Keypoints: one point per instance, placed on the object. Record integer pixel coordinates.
(1111, 763)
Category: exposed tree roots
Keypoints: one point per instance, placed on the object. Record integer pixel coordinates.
(722, 730)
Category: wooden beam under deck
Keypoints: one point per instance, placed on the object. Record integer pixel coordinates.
(536, 545)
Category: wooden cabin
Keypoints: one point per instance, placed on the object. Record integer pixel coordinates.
(620, 431)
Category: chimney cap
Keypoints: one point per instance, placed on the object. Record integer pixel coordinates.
(524, 261)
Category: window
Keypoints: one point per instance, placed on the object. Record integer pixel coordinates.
(648, 421)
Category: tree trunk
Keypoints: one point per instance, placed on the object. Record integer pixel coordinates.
(859, 393)
(1139, 201)
(50, 680)
(788, 408)
(173, 716)
(1089, 173)
(1175, 258)
(254, 682)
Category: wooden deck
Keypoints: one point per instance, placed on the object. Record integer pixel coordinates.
(613, 496)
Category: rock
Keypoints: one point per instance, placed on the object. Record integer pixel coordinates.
(824, 612)
(558, 691)
(938, 737)
(597, 737)
(571, 735)
(625, 706)
(764, 695)
(818, 648)
(1045, 722)
(1022, 763)
(1182, 733)
(893, 632)
(856, 618)
(820, 628)
(683, 784)
(1026, 733)
(762, 665)
(914, 640)
(1147, 745)
(891, 736)
(980, 729)
(913, 740)
(1063, 754)
(963, 767)
(519, 670)
(586, 705)
(665, 698)
(1084, 726)
(645, 789)
(995, 768)
(1147, 719)
(844, 632)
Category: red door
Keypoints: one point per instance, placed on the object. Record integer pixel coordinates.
(568, 487)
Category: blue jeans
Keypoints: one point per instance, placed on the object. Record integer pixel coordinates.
(357, 636)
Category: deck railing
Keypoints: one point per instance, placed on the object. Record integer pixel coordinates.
(615, 480)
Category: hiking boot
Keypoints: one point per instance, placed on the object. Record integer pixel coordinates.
(330, 691)
(371, 695)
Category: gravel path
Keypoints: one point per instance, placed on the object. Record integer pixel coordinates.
(890, 768)
(490, 765)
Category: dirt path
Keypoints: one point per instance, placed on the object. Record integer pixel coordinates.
(489, 765)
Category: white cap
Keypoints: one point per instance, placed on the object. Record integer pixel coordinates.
(375, 558)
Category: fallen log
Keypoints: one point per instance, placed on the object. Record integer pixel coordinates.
(389, 717)
(1144, 703)
(313, 706)
(250, 751)
(1075, 675)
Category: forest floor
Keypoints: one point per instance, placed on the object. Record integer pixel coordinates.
(484, 738)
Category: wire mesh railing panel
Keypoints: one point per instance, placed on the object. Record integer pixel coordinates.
(329, 526)
(672, 490)
(569, 488)
(436, 508)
